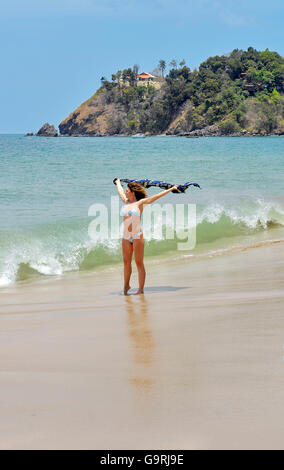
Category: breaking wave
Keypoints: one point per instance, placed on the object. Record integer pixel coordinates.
(53, 249)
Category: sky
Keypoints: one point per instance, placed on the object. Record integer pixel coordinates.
(53, 53)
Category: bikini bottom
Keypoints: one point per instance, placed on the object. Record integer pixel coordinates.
(131, 239)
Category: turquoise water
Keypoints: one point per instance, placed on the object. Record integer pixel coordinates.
(48, 184)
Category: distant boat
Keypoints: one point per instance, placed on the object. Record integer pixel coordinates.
(138, 136)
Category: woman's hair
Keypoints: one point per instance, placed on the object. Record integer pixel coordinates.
(139, 191)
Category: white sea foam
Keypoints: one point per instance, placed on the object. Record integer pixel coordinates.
(53, 252)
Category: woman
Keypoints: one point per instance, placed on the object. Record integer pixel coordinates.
(134, 198)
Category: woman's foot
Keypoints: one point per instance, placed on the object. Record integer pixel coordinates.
(126, 289)
(139, 292)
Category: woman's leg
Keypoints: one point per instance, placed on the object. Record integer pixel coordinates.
(139, 255)
(127, 252)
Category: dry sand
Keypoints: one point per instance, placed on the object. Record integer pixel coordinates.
(195, 363)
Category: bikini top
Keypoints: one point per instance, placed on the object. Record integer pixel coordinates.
(134, 211)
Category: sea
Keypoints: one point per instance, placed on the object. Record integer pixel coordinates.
(59, 204)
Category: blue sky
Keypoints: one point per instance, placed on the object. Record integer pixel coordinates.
(54, 53)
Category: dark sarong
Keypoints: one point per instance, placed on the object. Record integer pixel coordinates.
(160, 184)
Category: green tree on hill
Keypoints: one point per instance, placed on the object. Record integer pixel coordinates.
(243, 88)
(136, 67)
(162, 66)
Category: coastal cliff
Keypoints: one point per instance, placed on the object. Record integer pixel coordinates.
(237, 94)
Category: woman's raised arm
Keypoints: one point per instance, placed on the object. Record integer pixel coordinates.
(120, 190)
(150, 199)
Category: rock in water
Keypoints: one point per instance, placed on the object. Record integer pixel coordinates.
(47, 131)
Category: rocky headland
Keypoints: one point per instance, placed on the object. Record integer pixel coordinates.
(239, 94)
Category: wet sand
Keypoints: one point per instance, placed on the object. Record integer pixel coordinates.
(195, 363)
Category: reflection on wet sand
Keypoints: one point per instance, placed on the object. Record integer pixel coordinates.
(141, 342)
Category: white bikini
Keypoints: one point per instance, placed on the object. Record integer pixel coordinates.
(131, 212)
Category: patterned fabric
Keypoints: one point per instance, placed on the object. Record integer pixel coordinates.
(160, 184)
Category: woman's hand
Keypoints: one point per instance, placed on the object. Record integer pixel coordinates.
(116, 180)
(174, 187)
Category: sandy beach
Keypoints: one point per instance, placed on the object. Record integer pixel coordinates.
(195, 363)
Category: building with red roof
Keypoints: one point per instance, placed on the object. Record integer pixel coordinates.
(144, 76)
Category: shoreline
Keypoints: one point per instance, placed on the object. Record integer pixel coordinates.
(187, 135)
(203, 252)
(195, 363)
